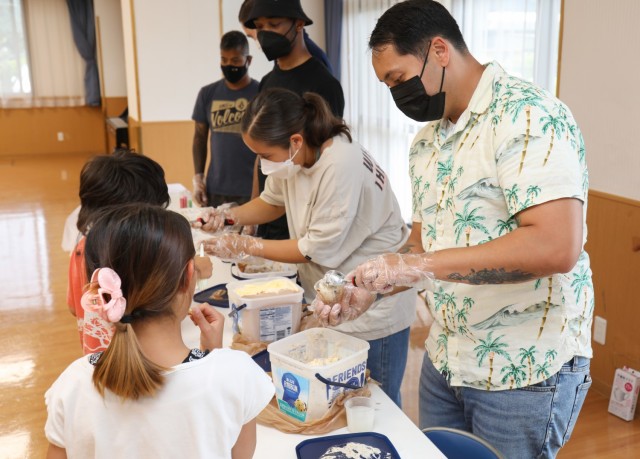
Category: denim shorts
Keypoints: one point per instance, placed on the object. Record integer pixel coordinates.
(529, 422)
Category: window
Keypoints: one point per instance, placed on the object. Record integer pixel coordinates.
(15, 79)
(522, 35)
(369, 108)
(40, 65)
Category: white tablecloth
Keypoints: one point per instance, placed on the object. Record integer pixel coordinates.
(410, 442)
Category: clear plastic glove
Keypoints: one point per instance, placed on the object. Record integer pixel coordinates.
(232, 246)
(355, 302)
(211, 324)
(200, 190)
(215, 219)
(249, 230)
(385, 272)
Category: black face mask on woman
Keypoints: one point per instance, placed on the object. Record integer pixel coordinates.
(275, 45)
(232, 73)
(412, 99)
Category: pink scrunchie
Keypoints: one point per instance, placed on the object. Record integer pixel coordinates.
(108, 283)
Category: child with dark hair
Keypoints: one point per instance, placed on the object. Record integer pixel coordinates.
(111, 180)
(217, 114)
(148, 394)
(340, 208)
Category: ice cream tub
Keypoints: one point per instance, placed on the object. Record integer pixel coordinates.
(311, 368)
(266, 309)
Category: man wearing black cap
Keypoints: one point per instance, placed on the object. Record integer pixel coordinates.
(280, 25)
(314, 50)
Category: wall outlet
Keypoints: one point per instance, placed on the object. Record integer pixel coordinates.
(60, 136)
(599, 329)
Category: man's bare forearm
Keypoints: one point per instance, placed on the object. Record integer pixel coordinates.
(199, 151)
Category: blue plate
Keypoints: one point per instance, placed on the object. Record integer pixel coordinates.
(215, 296)
(262, 359)
(333, 447)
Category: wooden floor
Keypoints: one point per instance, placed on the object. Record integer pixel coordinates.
(38, 338)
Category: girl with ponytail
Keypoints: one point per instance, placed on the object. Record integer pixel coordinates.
(340, 210)
(148, 394)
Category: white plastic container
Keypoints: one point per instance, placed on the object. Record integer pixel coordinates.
(624, 393)
(297, 361)
(268, 318)
(281, 270)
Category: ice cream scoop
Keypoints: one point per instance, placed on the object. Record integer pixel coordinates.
(331, 287)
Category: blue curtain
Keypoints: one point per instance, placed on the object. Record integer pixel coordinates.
(84, 35)
(333, 33)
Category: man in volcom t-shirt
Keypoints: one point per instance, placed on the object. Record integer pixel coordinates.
(219, 109)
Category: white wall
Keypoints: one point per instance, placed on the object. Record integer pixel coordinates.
(109, 16)
(178, 53)
(260, 66)
(129, 59)
(599, 82)
(315, 10)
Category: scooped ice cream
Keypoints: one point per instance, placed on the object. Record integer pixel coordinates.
(331, 287)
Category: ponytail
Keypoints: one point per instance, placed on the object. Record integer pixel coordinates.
(320, 124)
(124, 370)
(274, 115)
(149, 248)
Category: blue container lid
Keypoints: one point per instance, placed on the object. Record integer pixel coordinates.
(369, 445)
(221, 299)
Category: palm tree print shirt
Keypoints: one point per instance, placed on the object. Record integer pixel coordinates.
(514, 147)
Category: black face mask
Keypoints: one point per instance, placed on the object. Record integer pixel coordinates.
(232, 73)
(275, 45)
(412, 99)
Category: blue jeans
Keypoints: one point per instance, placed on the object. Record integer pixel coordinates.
(387, 360)
(530, 422)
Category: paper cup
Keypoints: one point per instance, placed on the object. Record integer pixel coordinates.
(360, 414)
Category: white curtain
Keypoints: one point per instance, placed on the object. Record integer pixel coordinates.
(522, 35)
(15, 81)
(56, 68)
(370, 111)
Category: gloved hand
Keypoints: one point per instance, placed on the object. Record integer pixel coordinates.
(249, 230)
(200, 190)
(355, 302)
(233, 246)
(214, 218)
(384, 272)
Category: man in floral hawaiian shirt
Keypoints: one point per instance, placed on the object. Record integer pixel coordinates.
(500, 184)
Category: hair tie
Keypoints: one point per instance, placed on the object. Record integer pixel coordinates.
(126, 319)
(136, 314)
(95, 300)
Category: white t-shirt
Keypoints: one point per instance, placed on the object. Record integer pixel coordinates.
(342, 211)
(198, 413)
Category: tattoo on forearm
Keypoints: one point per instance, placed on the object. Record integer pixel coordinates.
(492, 276)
